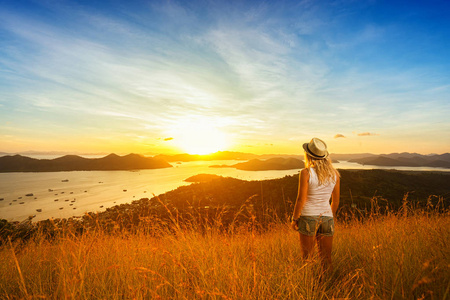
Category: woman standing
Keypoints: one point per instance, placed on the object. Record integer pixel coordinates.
(313, 214)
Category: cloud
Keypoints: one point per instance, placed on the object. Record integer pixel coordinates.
(168, 139)
(367, 134)
(250, 70)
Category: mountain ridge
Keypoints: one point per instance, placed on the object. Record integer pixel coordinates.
(400, 159)
(406, 160)
(111, 162)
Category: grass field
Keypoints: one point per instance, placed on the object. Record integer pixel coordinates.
(384, 257)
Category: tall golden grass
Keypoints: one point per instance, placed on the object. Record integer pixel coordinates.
(397, 256)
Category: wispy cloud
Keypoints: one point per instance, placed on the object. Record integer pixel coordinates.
(258, 71)
(367, 134)
(339, 136)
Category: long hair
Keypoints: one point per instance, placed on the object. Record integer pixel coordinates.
(326, 173)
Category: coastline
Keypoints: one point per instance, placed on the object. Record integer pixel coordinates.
(362, 183)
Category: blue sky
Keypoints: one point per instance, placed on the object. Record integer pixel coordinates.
(265, 76)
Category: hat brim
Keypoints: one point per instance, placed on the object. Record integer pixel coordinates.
(305, 147)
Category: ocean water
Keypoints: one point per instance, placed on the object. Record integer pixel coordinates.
(67, 194)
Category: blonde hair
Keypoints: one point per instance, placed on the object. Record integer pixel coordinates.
(325, 171)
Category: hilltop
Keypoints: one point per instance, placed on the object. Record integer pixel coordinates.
(392, 257)
(19, 163)
(360, 190)
(229, 239)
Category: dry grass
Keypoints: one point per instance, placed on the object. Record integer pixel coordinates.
(390, 257)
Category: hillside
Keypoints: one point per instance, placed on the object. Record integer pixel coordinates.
(361, 192)
(18, 163)
(200, 255)
(202, 178)
(229, 238)
(393, 257)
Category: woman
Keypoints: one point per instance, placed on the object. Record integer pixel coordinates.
(313, 214)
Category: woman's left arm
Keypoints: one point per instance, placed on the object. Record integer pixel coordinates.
(335, 195)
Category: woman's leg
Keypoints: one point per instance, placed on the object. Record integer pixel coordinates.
(307, 242)
(325, 244)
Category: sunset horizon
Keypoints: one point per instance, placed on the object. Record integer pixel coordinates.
(168, 77)
(300, 153)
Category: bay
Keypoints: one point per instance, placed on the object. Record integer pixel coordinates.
(69, 194)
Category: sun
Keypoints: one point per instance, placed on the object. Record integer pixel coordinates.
(199, 137)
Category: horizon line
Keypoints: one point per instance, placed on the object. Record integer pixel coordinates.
(64, 153)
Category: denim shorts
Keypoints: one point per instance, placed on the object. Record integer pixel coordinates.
(312, 225)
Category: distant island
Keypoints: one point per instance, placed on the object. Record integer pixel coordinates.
(276, 163)
(405, 160)
(220, 155)
(19, 163)
(253, 162)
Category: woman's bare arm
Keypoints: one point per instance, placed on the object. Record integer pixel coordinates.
(335, 195)
(302, 194)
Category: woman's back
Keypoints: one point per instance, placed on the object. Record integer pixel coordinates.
(318, 200)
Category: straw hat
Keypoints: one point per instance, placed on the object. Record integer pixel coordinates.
(316, 148)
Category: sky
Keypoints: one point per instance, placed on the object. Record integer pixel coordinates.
(205, 75)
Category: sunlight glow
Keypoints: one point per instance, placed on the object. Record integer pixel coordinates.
(199, 137)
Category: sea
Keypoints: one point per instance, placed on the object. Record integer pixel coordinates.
(45, 195)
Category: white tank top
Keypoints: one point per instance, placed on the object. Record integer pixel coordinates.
(318, 200)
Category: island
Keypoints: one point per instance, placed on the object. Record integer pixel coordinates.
(220, 155)
(276, 163)
(111, 162)
(406, 160)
